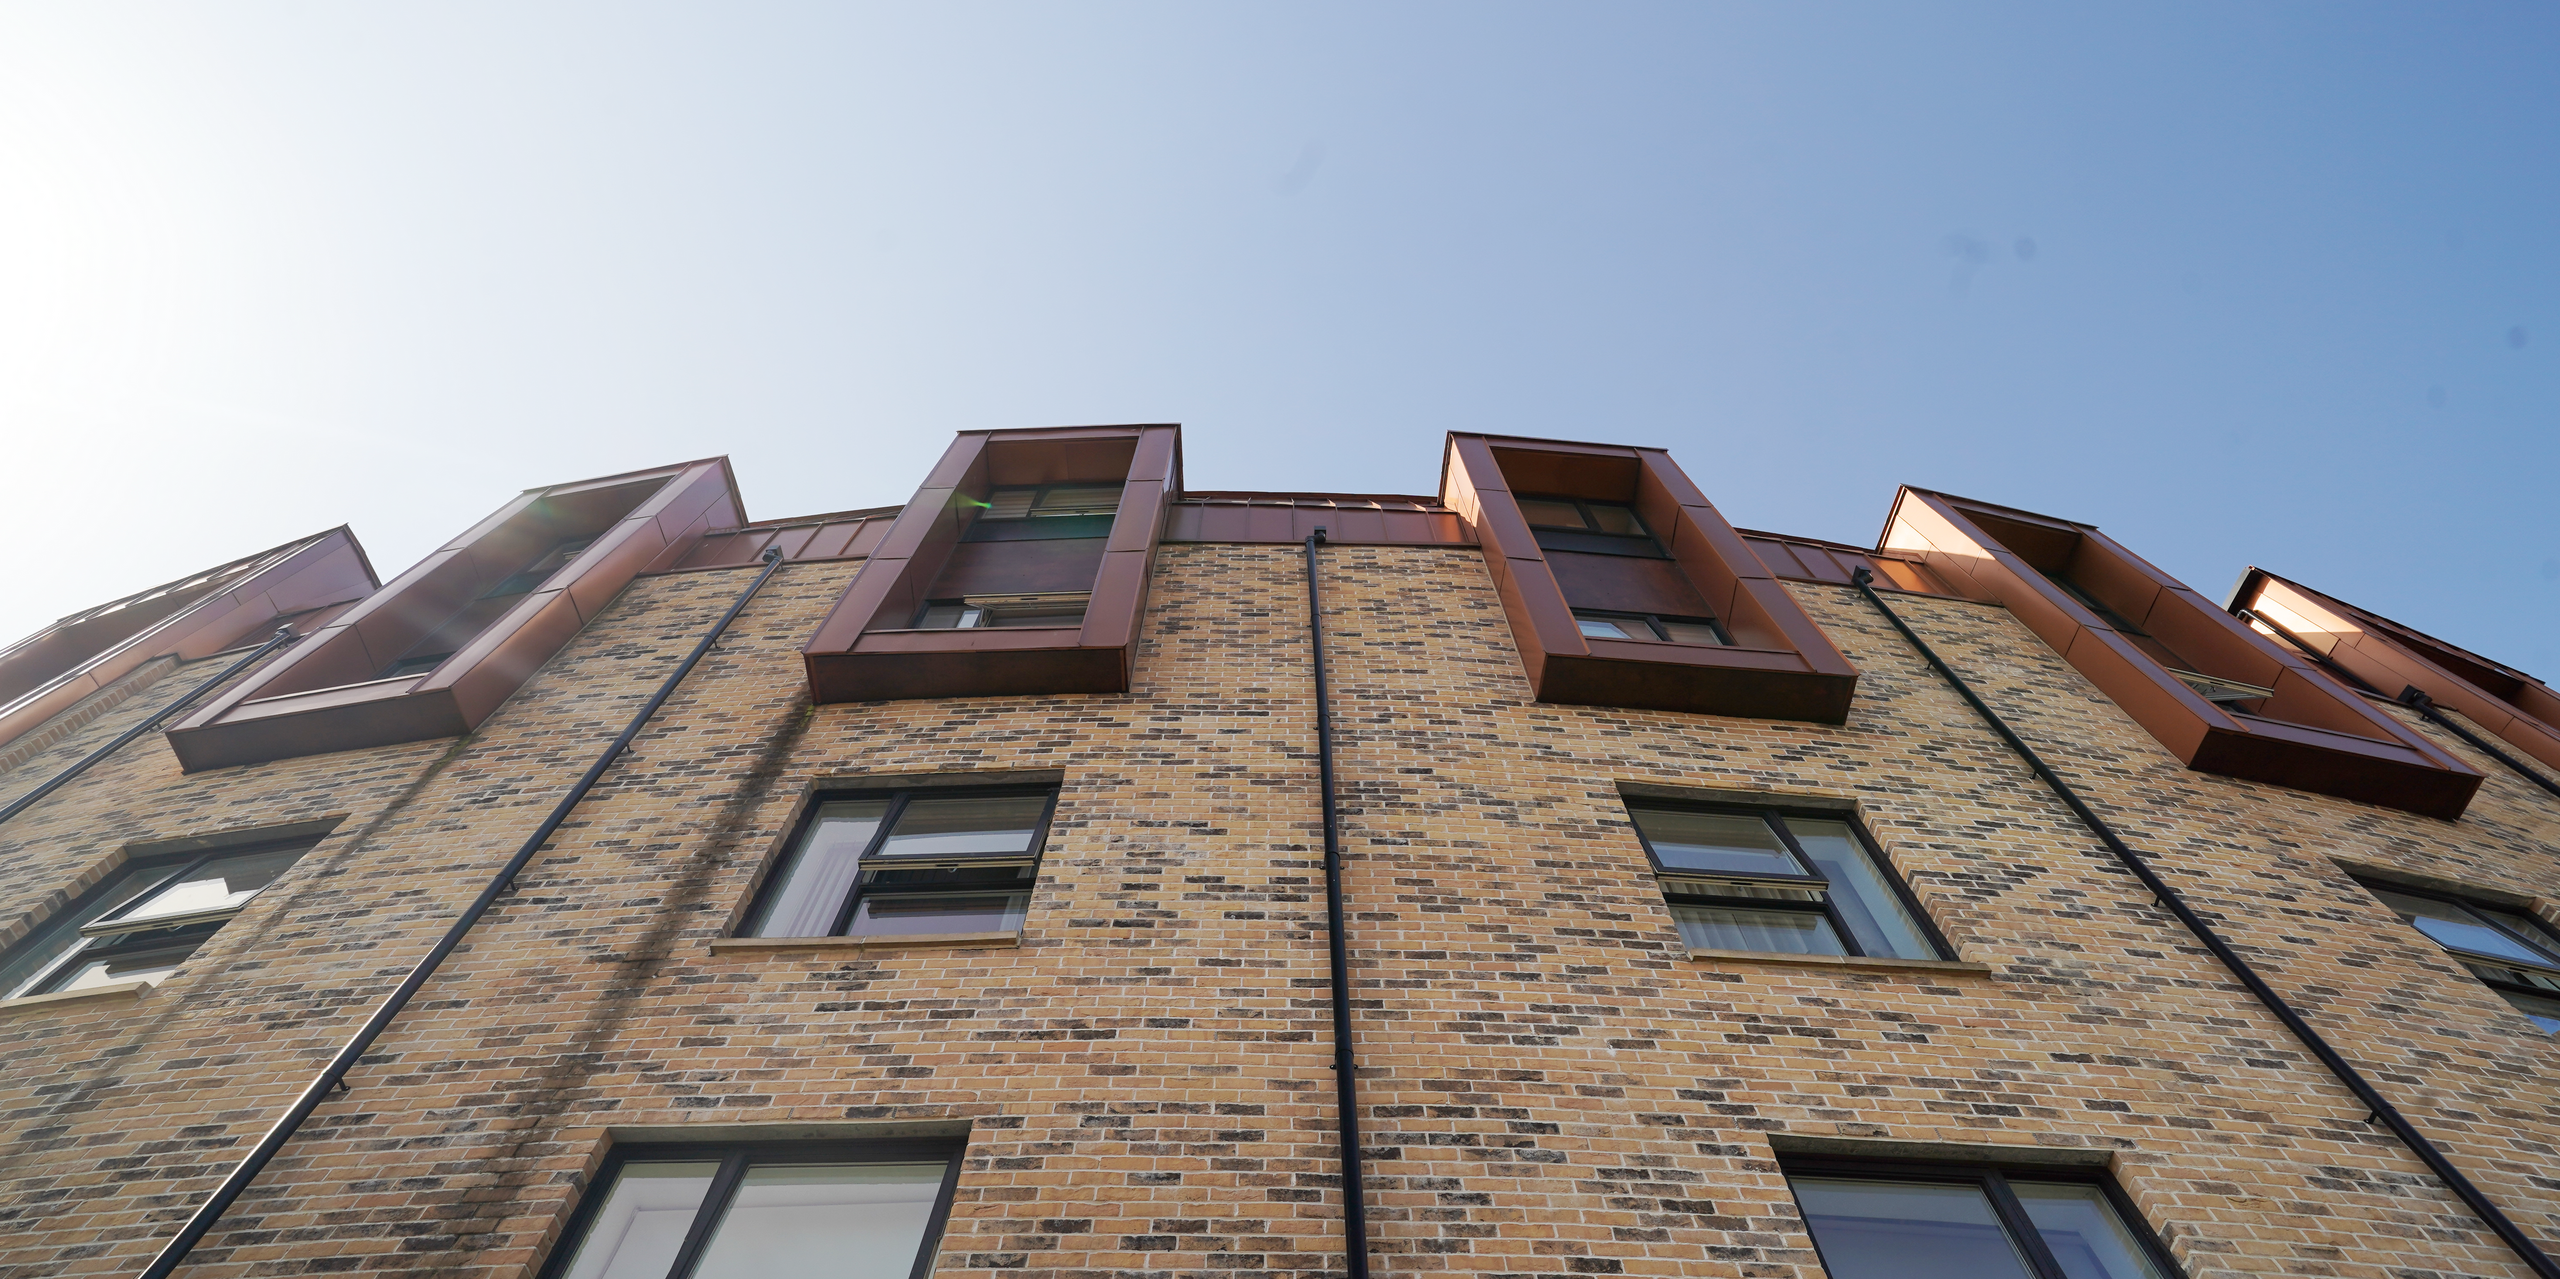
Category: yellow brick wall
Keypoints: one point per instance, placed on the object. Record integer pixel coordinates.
(1554, 1086)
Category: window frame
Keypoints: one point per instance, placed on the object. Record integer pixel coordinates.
(1591, 538)
(1810, 880)
(190, 930)
(899, 797)
(2472, 961)
(1654, 623)
(974, 609)
(735, 1158)
(1993, 1178)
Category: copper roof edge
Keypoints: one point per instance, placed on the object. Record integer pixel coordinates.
(2253, 572)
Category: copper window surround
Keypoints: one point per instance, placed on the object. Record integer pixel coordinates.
(324, 695)
(1780, 666)
(196, 617)
(2311, 735)
(867, 648)
(2390, 657)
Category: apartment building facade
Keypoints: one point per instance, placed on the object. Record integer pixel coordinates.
(1710, 902)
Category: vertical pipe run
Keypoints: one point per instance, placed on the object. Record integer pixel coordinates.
(1346, 1087)
(284, 635)
(2531, 1253)
(209, 1212)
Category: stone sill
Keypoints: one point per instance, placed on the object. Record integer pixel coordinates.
(115, 990)
(890, 941)
(1874, 963)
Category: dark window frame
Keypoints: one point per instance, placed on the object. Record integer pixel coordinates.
(188, 931)
(985, 604)
(735, 1158)
(899, 797)
(1993, 1178)
(1811, 880)
(2473, 961)
(1590, 539)
(1654, 622)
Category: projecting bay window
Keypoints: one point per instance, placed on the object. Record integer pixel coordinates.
(908, 862)
(2510, 952)
(1890, 1220)
(870, 1210)
(1779, 882)
(146, 922)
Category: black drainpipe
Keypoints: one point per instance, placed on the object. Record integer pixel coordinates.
(2382, 1110)
(2412, 697)
(330, 1076)
(1346, 1087)
(284, 635)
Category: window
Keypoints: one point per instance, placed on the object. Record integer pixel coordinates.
(419, 665)
(1046, 512)
(145, 922)
(871, 1210)
(2228, 693)
(1796, 883)
(2513, 953)
(903, 862)
(1599, 624)
(1601, 528)
(540, 570)
(1055, 609)
(1886, 1220)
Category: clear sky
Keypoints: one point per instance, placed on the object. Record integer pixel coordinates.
(2273, 284)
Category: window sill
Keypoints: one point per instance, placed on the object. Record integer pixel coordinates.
(118, 990)
(890, 941)
(1858, 962)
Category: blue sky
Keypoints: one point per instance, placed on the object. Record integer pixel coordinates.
(2273, 284)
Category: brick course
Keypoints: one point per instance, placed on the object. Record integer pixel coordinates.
(1554, 1086)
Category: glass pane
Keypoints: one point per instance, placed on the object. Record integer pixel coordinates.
(810, 891)
(1783, 932)
(1602, 627)
(946, 617)
(1907, 1230)
(61, 936)
(152, 965)
(1009, 504)
(1875, 913)
(1609, 517)
(824, 1221)
(967, 824)
(2526, 930)
(1734, 842)
(643, 1221)
(1558, 514)
(217, 884)
(1050, 615)
(2457, 929)
(1079, 499)
(893, 914)
(2540, 1011)
(1691, 632)
(2083, 1231)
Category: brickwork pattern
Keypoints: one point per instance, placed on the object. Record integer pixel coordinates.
(1554, 1086)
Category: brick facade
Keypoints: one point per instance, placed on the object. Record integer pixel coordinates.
(1554, 1086)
